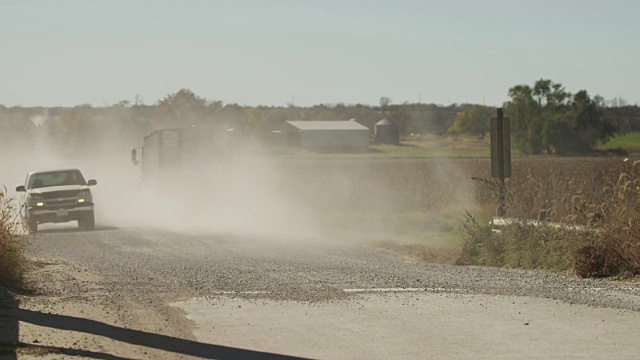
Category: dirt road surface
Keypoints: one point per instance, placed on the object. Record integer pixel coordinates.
(141, 293)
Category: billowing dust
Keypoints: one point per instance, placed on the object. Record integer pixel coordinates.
(250, 192)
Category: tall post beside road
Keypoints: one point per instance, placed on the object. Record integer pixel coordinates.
(501, 155)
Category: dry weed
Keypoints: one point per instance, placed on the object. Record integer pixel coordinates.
(12, 244)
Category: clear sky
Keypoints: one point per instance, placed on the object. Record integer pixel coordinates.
(71, 52)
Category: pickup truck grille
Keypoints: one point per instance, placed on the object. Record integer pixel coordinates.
(62, 202)
(54, 195)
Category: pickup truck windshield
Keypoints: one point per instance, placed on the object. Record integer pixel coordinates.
(56, 178)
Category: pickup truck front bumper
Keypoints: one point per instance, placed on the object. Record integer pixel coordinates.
(59, 214)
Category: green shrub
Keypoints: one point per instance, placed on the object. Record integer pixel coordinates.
(521, 245)
(12, 244)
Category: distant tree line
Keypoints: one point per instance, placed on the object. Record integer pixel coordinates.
(545, 117)
(85, 129)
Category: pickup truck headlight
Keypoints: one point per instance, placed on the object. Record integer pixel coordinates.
(84, 196)
(35, 200)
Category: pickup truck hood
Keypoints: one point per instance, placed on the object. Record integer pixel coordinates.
(49, 189)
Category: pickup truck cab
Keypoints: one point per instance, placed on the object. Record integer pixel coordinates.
(57, 196)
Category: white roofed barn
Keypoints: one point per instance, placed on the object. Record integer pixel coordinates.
(328, 135)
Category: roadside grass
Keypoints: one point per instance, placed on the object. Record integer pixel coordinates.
(522, 245)
(601, 196)
(13, 243)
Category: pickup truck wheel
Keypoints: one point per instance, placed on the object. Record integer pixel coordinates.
(87, 222)
(32, 225)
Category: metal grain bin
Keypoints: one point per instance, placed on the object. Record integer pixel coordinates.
(387, 132)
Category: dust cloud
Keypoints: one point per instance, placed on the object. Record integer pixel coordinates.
(239, 195)
(259, 195)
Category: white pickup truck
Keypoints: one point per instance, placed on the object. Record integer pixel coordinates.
(57, 196)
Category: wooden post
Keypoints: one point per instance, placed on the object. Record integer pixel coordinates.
(501, 155)
(500, 145)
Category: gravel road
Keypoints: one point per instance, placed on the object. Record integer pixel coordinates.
(169, 291)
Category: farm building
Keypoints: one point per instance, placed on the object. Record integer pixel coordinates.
(324, 135)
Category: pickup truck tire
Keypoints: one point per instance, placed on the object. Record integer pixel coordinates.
(32, 225)
(87, 222)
